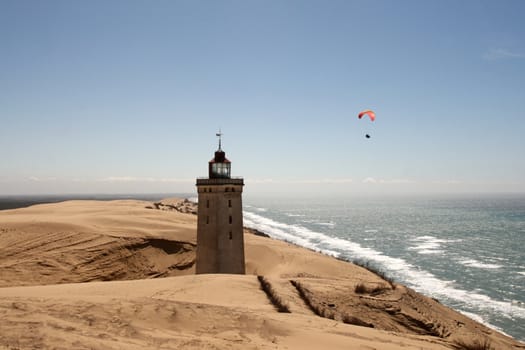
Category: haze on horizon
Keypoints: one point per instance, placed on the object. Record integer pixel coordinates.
(126, 96)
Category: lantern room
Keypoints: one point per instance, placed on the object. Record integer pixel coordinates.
(219, 167)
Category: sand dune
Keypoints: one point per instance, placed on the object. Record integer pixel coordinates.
(55, 257)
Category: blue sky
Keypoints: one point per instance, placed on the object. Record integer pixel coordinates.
(126, 96)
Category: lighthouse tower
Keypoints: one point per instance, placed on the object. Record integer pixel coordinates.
(220, 240)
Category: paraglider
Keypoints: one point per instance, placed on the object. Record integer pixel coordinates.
(371, 114)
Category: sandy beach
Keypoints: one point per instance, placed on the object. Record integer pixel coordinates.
(121, 275)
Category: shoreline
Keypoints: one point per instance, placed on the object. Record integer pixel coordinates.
(128, 243)
(420, 257)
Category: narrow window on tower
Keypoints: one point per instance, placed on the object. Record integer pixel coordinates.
(207, 219)
(207, 203)
(231, 235)
(230, 203)
(231, 219)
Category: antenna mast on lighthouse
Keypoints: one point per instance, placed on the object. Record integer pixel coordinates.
(219, 135)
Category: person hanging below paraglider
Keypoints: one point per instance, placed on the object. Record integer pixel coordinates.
(371, 114)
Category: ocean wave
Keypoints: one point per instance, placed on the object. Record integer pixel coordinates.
(428, 245)
(327, 224)
(290, 233)
(255, 208)
(319, 223)
(480, 319)
(478, 264)
(430, 251)
(295, 215)
(422, 281)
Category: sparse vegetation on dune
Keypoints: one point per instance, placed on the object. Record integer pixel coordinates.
(272, 295)
(362, 288)
(382, 274)
(327, 312)
(306, 296)
(356, 321)
(483, 344)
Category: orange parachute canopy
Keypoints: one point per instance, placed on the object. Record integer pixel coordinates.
(368, 112)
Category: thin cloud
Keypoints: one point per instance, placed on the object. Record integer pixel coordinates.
(502, 54)
(372, 180)
(307, 181)
(142, 179)
(260, 181)
(326, 181)
(41, 179)
(447, 182)
(125, 179)
(369, 180)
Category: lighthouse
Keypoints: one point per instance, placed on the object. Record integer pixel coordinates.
(220, 238)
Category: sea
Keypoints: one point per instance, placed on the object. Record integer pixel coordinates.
(467, 251)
